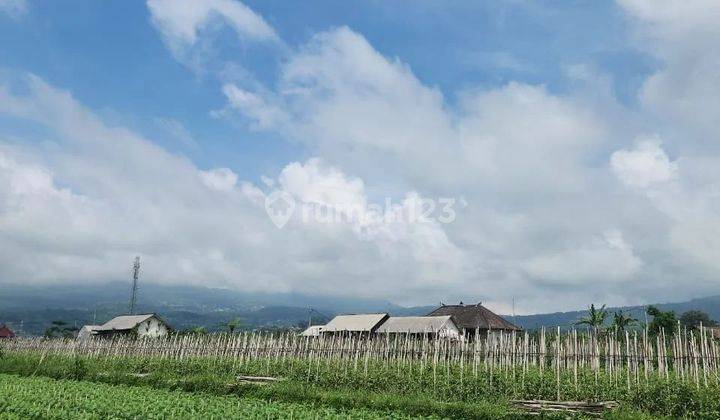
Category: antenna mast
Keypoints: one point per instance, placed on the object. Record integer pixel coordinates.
(136, 275)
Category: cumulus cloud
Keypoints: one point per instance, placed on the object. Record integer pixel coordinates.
(221, 179)
(256, 107)
(517, 153)
(605, 258)
(685, 37)
(349, 103)
(538, 171)
(643, 166)
(182, 23)
(101, 194)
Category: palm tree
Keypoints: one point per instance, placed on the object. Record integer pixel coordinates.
(595, 317)
(622, 321)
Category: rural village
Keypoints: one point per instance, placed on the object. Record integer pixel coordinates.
(359, 209)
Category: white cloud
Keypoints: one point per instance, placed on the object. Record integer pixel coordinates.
(685, 37)
(176, 130)
(518, 153)
(608, 258)
(644, 166)
(79, 209)
(545, 215)
(182, 23)
(254, 106)
(353, 106)
(221, 179)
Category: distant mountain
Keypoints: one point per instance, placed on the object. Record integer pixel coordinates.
(709, 305)
(152, 295)
(30, 309)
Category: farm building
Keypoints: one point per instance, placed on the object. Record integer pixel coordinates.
(312, 331)
(6, 332)
(472, 318)
(148, 325)
(430, 326)
(358, 324)
(87, 331)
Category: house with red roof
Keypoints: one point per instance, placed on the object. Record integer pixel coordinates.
(6, 332)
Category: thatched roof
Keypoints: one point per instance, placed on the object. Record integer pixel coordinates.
(355, 323)
(471, 317)
(416, 324)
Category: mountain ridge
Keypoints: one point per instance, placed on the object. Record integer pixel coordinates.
(30, 309)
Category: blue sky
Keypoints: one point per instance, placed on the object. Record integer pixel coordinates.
(575, 137)
(112, 59)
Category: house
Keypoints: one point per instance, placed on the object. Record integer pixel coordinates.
(430, 326)
(6, 332)
(87, 331)
(474, 317)
(147, 325)
(313, 331)
(355, 324)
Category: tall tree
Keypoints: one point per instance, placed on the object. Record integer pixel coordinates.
(693, 319)
(662, 321)
(622, 321)
(234, 324)
(59, 329)
(595, 317)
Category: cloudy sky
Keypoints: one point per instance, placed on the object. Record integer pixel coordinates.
(575, 143)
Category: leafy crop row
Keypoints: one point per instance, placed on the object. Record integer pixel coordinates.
(65, 399)
(218, 376)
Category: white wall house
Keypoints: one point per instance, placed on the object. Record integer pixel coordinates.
(440, 326)
(313, 331)
(147, 325)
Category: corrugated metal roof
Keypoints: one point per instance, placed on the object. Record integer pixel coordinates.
(415, 324)
(90, 327)
(474, 316)
(124, 322)
(313, 330)
(359, 323)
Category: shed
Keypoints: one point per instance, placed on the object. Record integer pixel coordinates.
(471, 318)
(442, 326)
(361, 323)
(147, 325)
(87, 331)
(6, 332)
(312, 331)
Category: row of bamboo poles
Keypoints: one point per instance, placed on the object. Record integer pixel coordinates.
(632, 357)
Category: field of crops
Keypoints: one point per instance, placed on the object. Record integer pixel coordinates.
(23, 398)
(677, 376)
(383, 388)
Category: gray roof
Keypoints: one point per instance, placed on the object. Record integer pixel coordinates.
(312, 330)
(415, 324)
(124, 322)
(359, 323)
(90, 327)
